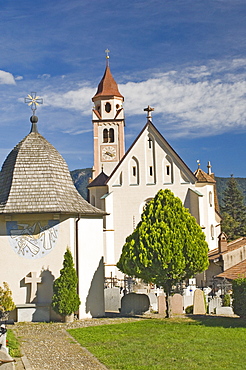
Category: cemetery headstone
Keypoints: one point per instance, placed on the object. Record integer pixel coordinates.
(162, 304)
(176, 304)
(112, 299)
(224, 311)
(199, 303)
(134, 304)
(153, 301)
(213, 304)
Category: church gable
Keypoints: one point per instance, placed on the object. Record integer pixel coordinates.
(151, 161)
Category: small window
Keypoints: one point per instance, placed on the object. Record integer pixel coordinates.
(105, 135)
(150, 143)
(212, 231)
(107, 107)
(150, 170)
(111, 135)
(210, 199)
(134, 171)
(168, 170)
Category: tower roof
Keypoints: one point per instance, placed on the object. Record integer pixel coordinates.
(203, 176)
(107, 86)
(35, 179)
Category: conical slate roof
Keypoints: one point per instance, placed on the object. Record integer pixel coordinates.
(107, 86)
(35, 179)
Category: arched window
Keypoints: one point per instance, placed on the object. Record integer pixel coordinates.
(111, 135)
(105, 135)
(210, 199)
(133, 171)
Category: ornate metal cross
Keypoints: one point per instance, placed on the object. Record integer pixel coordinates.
(33, 101)
(149, 110)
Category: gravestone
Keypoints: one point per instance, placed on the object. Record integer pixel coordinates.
(224, 311)
(134, 304)
(153, 301)
(112, 299)
(176, 302)
(162, 304)
(187, 300)
(213, 304)
(199, 303)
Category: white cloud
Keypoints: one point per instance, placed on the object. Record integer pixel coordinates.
(18, 78)
(193, 101)
(6, 78)
(44, 76)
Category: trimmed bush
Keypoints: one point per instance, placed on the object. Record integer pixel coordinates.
(189, 310)
(239, 296)
(226, 301)
(65, 300)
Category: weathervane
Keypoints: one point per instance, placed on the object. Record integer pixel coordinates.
(198, 163)
(33, 101)
(149, 110)
(107, 56)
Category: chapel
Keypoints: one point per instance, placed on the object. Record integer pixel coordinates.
(124, 182)
(42, 214)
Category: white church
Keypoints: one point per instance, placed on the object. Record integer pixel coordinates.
(124, 182)
(41, 212)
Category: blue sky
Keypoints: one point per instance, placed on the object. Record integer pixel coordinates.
(185, 58)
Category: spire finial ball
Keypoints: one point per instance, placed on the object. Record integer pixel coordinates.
(34, 119)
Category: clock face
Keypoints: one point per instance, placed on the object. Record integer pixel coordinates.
(109, 153)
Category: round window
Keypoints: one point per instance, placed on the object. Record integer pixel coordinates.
(107, 107)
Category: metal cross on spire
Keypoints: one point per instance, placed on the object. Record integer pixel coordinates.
(33, 101)
(107, 56)
(149, 110)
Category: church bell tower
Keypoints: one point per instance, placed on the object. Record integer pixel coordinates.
(108, 124)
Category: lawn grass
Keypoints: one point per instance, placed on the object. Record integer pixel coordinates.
(162, 344)
(13, 344)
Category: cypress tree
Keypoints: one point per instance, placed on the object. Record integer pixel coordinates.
(233, 211)
(65, 300)
(167, 245)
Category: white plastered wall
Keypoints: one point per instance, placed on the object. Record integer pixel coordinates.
(91, 267)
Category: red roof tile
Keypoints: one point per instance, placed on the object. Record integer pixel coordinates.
(107, 86)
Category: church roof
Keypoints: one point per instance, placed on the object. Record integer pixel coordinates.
(203, 176)
(107, 86)
(100, 180)
(150, 126)
(35, 179)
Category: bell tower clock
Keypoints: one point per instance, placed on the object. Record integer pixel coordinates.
(108, 124)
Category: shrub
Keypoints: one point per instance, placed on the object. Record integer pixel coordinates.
(6, 300)
(189, 310)
(239, 296)
(226, 301)
(65, 300)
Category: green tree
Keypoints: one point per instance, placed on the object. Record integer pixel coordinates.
(6, 300)
(239, 296)
(167, 245)
(65, 300)
(233, 211)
